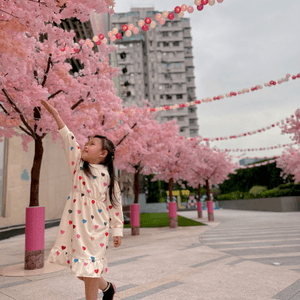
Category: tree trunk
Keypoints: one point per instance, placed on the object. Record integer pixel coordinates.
(207, 190)
(199, 192)
(170, 189)
(35, 172)
(136, 185)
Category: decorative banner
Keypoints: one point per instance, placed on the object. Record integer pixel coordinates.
(259, 149)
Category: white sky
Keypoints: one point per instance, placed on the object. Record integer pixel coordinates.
(238, 44)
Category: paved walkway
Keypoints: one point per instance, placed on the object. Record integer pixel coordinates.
(242, 255)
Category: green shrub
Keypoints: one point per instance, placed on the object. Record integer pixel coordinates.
(276, 193)
(231, 196)
(256, 190)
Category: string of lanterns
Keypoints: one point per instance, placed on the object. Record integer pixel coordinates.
(243, 134)
(259, 149)
(259, 164)
(228, 95)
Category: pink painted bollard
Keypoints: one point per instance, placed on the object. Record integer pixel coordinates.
(173, 215)
(135, 219)
(34, 237)
(210, 210)
(199, 209)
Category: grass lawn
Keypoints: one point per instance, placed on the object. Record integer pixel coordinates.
(162, 220)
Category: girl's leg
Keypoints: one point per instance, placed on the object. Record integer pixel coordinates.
(102, 282)
(91, 288)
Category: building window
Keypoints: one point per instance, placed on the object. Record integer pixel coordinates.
(166, 24)
(193, 131)
(190, 90)
(177, 65)
(150, 43)
(189, 79)
(175, 44)
(175, 33)
(167, 65)
(174, 23)
(186, 30)
(161, 96)
(191, 110)
(165, 33)
(187, 58)
(181, 119)
(182, 129)
(166, 44)
(189, 69)
(187, 38)
(158, 44)
(153, 97)
(169, 97)
(192, 121)
(178, 86)
(179, 96)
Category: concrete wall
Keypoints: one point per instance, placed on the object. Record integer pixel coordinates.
(278, 204)
(55, 180)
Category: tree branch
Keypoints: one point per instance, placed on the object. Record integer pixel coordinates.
(18, 111)
(8, 13)
(80, 101)
(47, 70)
(125, 136)
(56, 93)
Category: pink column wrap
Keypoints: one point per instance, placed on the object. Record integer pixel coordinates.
(135, 219)
(34, 237)
(173, 215)
(199, 209)
(210, 210)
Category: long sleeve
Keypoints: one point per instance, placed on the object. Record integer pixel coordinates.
(71, 147)
(116, 214)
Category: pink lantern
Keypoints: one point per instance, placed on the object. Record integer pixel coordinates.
(294, 77)
(183, 7)
(162, 21)
(204, 2)
(118, 35)
(135, 30)
(98, 42)
(219, 1)
(148, 20)
(190, 9)
(158, 17)
(101, 36)
(171, 16)
(177, 9)
(200, 7)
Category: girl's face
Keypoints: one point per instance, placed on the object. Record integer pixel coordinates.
(92, 151)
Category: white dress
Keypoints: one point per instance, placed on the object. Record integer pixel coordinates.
(82, 237)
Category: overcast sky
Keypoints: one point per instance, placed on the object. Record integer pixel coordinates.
(238, 44)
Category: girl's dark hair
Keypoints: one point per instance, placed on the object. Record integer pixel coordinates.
(109, 162)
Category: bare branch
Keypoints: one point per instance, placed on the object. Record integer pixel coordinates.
(56, 93)
(47, 70)
(125, 136)
(18, 111)
(8, 13)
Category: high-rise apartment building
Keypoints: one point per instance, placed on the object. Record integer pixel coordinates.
(158, 65)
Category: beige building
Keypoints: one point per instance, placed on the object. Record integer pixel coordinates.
(158, 65)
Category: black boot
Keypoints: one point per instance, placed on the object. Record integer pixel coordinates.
(110, 291)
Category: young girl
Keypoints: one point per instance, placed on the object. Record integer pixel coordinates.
(93, 206)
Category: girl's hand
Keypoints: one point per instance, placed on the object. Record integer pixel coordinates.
(117, 241)
(50, 108)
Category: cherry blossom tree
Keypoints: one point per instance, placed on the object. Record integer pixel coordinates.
(138, 153)
(172, 160)
(31, 70)
(209, 167)
(289, 162)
